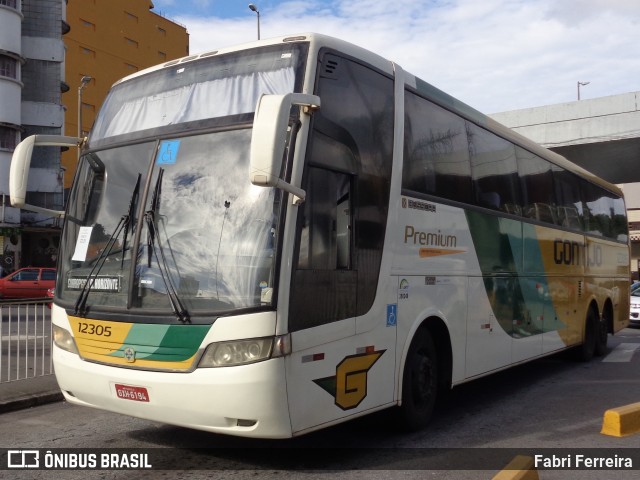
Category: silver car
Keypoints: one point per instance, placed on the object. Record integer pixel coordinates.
(634, 311)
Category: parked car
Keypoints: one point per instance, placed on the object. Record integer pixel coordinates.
(634, 311)
(29, 282)
(50, 294)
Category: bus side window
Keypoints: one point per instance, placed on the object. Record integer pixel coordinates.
(325, 236)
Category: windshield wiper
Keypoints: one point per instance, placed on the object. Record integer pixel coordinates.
(153, 238)
(123, 225)
(132, 204)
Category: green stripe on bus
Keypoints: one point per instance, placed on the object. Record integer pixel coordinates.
(520, 302)
(167, 343)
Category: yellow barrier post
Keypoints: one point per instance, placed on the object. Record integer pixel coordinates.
(520, 468)
(621, 421)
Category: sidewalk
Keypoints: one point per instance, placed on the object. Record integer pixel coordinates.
(29, 393)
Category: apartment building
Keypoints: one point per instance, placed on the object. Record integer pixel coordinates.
(31, 84)
(110, 39)
(46, 48)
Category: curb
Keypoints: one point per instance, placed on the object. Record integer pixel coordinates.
(30, 401)
(621, 421)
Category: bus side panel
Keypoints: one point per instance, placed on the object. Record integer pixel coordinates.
(557, 259)
(488, 344)
(500, 330)
(433, 256)
(330, 381)
(607, 268)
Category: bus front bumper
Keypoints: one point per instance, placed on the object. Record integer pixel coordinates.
(248, 400)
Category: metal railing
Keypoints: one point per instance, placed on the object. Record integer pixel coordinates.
(26, 336)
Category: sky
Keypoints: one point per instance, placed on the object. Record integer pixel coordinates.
(495, 55)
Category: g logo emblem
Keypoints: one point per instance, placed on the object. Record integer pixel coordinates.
(349, 385)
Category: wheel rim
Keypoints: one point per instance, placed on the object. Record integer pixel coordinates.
(423, 379)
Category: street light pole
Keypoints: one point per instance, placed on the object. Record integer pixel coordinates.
(253, 8)
(83, 83)
(581, 84)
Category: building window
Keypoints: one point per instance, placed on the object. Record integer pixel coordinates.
(88, 52)
(8, 138)
(162, 55)
(88, 107)
(8, 66)
(131, 17)
(88, 24)
(52, 200)
(131, 42)
(10, 3)
(162, 31)
(131, 67)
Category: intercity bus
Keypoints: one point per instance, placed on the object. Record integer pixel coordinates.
(270, 239)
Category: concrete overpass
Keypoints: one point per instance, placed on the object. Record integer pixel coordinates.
(601, 135)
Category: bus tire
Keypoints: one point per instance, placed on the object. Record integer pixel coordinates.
(591, 327)
(419, 382)
(602, 337)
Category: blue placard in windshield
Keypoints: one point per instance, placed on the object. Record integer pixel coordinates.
(168, 152)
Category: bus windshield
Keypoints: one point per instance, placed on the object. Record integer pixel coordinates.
(206, 236)
(162, 215)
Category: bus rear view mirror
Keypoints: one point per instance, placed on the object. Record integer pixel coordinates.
(21, 163)
(268, 140)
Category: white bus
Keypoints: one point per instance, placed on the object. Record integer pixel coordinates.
(270, 239)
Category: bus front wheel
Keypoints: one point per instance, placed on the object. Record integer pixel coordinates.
(420, 382)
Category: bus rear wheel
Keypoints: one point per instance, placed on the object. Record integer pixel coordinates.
(602, 336)
(591, 334)
(420, 382)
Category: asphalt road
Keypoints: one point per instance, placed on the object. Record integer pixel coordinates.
(543, 407)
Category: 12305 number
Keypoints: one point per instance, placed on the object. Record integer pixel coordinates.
(93, 329)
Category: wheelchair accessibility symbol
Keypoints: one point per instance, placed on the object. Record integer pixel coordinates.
(392, 315)
(168, 152)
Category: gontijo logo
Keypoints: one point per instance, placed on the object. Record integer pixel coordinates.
(349, 385)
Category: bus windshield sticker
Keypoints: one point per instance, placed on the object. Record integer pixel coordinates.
(98, 284)
(168, 152)
(82, 244)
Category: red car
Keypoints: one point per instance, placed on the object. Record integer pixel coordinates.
(50, 294)
(29, 282)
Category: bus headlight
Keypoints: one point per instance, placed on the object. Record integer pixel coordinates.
(242, 352)
(63, 339)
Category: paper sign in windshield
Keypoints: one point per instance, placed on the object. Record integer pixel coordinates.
(168, 152)
(98, 284)
(82, 244)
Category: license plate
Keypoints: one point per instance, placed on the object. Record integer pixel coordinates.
(128, 392)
